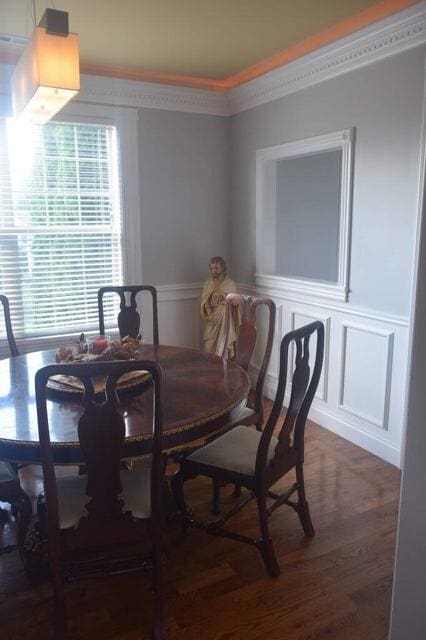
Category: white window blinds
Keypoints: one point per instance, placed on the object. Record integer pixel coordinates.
(60, 224)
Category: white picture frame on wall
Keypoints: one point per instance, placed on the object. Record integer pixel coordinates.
(266, 206)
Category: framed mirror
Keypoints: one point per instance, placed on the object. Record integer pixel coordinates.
(303, 215)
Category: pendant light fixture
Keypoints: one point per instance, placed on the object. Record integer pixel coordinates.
(47, 74)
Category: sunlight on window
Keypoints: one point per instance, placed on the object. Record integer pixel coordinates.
(60, 224)
(22, 143)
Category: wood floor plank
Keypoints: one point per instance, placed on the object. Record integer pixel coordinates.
(336, 586)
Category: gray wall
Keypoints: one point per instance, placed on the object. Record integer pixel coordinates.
(384, 102)
(308, 215)
(184, 194)
(409, 599)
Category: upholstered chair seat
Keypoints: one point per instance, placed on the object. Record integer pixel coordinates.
(245, 414)
(72, 498)
(235, 451)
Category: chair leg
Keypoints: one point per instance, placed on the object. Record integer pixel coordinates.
(237, 491)
(302, 505)
(176, 487)
(24, 510)
(216, 484)
(267, 548)
(158, 626)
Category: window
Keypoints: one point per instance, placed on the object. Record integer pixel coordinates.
(60, 224)
(303, 215)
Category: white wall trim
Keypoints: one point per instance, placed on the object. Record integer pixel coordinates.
(181, 291)
(275, 292)
(266, 160)
(376, 428)
(404, 30)
(302, 287)
(372, 442)
(103, 90)
(151, 95)
(125, 119)
(416, 254)
(382, 423)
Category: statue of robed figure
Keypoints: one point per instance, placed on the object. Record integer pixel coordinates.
(212, 308)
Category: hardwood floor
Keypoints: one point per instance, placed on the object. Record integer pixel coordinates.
(336, 586)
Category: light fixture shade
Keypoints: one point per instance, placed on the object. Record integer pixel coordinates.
(46, 77)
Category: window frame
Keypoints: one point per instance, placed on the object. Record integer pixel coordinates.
(266, 211)
(125, 119)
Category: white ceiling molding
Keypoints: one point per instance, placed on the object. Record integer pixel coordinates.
(133, 93)
(404, 30)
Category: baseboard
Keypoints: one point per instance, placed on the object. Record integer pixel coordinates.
(342, 427)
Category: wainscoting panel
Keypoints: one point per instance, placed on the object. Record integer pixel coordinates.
(365, 377)
(361, 395)
(179, 315)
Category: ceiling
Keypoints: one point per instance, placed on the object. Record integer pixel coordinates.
(215, 39)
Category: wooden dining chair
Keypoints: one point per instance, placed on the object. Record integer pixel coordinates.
(252, 414)
(108, 510)
(129, 319)
(10, 488)
(8, 326)
(247, 307)
(257, 460)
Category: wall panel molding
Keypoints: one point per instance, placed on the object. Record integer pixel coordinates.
(383, 377)
(362, 399)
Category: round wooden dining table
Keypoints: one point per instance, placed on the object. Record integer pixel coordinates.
(201, 393)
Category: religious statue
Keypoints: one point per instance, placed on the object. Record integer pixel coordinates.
(212, 307)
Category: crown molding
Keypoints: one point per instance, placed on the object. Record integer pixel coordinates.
(394, 34)
(133, 93)
(399, 32)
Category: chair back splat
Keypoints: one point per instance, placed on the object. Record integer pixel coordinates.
(128, 319)
(8, 325)
(93, 522)
(246, 307)
(303, 388)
